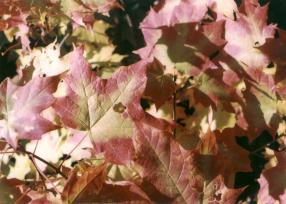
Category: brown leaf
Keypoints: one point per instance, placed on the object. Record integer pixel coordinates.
(10, 193)
(89, 182)
(117, 192)
(160, 87)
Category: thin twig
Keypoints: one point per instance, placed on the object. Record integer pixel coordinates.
(49, 164)
(39, 172)
(64, 39)
(174, 106)
(36, 147)
(42, 175)
(7, 152)
(69, 154)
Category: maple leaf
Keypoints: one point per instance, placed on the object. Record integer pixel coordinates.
(187, 47)
(43, 62)
(245, 35)
(216, 192)
(165, 164)
(173, 171)
(105, 109)
(169, 13)
(160, 87)
(91, 179)
(275, 48)
(220, 152)
(100, 6)
(260, 108)
(227, 69)
(248, 97)
(81, 11)
(272, 182)
(223, 8)
(17, 20)
(118, 192)
(21, 106)
(199, 123)
(41, 147)
(99, 50)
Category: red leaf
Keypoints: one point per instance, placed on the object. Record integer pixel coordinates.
(165, 164)
(10, 192)
(160, 87)
(89, 182)
(118, 192)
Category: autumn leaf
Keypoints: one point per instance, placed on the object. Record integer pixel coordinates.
(21, 108)
(219, 152)
(272, 185)
(274, 49)
(165, 164)
(44, 62)
(92, 103)
(262, 106)
(10, 191)
(90, 181)
(223, 8)
(160, 87)
(81, 11)
(179, 125)
(245, 35)
(118, 192)
(190, 54)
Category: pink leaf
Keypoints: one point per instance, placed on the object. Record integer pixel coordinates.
(105, 109)
(21, 107)
(245, 35)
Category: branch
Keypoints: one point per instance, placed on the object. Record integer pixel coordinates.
(63, 161)
(42, 175)
(174, 106)
(57, 170)
(38, 170)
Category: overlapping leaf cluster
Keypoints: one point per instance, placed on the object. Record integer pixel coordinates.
(198, 119)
